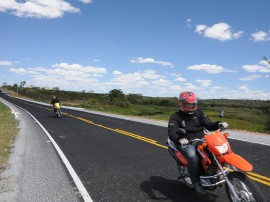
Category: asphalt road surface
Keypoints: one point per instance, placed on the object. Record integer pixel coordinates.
(122, 160)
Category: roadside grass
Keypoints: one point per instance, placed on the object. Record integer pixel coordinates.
(248, 119)
(240, 119)
(8, 133)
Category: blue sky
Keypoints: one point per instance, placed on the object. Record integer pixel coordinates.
(151, 47)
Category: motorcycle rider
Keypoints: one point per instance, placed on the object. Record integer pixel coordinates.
(53, 101)
(186, 124)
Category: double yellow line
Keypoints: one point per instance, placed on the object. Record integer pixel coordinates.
(256, 177)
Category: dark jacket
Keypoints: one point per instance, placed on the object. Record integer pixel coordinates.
(192, 123)
(53, 101)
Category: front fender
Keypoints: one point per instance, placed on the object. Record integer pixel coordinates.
(238, 161)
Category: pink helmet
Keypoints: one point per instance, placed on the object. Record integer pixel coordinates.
(187, 102)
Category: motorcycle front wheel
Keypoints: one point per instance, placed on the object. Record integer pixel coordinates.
(245, 189)
(59, 114)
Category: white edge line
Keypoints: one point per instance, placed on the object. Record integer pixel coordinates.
(71, 171)
(12, 110)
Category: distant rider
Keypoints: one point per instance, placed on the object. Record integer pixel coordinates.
(186, 124)
(53, 101)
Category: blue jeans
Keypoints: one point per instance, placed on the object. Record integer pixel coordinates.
(190, 152)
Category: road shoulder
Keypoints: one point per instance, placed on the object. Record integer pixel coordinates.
(35, 172)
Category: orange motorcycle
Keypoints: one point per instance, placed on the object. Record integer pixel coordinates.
(219, 165)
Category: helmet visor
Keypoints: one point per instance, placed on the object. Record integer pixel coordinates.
(190, 105)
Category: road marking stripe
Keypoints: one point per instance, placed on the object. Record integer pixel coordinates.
(251, 175)
(70, 169)
(259, 180)
(259, 176)
(255, 176)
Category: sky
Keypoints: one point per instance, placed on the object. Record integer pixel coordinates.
(159, 48)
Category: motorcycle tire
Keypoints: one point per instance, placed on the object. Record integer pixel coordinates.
(244, 187)
(183, 171)
(59, 114)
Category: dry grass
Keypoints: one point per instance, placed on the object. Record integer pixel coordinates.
(8, 132)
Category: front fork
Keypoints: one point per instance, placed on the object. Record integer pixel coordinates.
(231, 187)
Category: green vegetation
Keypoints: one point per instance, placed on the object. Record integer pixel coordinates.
(250, 115)
(8, 132)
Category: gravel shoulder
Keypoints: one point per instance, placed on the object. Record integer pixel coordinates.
(35, 171)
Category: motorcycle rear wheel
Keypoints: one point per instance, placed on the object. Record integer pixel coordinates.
(246, 190)
(183, 171)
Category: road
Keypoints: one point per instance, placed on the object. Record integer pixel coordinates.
(122, 160)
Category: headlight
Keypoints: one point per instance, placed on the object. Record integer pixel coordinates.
(223, 148)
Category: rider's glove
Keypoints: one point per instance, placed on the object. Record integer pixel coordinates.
(183, 141)
(223, 125)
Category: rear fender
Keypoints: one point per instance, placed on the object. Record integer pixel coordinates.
(178, 157)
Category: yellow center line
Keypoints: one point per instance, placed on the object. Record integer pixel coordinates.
(259, 176)
(256, 177)
(259, 180)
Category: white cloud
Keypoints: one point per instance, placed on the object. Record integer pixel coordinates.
(86, 1)
(38, 8)
(252, 77)
(117, 73)
(180, 79)
(208, 68)
(220, 31)
(150, 74)
(131, 82)
(142, 60)
(22, 71)
(5, 63)
(190, 87)
(80, 68)
(260, 36)
(64, 75)
(204, 83)
(189, 21)
(161, 82)
(263, 67)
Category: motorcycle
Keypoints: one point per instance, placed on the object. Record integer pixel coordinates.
(219, 165)
(57, 110)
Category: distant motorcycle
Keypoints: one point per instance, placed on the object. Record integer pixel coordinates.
(57, 110)
(219, 165)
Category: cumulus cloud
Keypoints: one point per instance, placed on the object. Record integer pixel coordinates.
(221, 31)
(263, 67)
(260, 36)
(5, 63)
(117, 73)
(39, 8)
(208, 68)
(252, 77)
(142, 60)
(180, 79)
(151, 74)
(204, 83)
(86, 1)
(64, 75)
(22, 71)
(80, 68)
